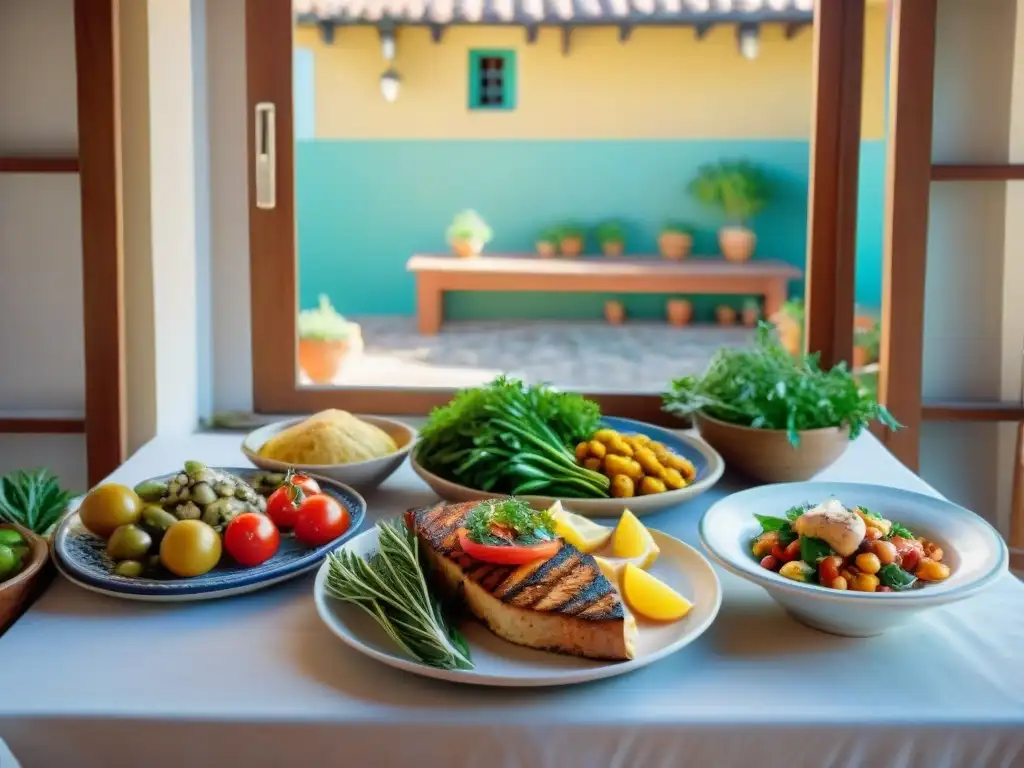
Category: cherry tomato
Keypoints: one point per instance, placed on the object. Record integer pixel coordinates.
(321, 519)
(511, 554)
(770, 562)
(283, 504)
(793, 550)
(251, 539)
(828, 569)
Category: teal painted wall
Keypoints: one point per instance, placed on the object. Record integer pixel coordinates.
(364, 207)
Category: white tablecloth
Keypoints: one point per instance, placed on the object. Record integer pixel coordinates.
(258, 681)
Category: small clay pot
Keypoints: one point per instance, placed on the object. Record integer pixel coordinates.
(546, 249)
(861, 357)
(679, 312)
(736, 243)
(571, 246)
(466, 249)
(614, 312)
(612, 248)
(791, 335)
(725, 315)
(675, 245)
(321, 360)
(750, 317)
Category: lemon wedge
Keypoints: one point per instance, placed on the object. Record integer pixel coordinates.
(584, 534)
(612, 567)
(631, 539)
(652, 598)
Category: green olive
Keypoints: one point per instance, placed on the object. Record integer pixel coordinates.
(129, 542)
(9, 562)
(151, 490)
(156, 520)
(130, 569)
(10, 537)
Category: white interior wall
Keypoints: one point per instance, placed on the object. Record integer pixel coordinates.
(41, 340)
(965, 315)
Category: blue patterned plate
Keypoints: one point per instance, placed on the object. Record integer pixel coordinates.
(81, 558)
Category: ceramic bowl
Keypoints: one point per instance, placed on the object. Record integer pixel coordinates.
(767, 454)
(708, 463)
(15, 591)
(972, 548)
(81, 558)
(361, 475)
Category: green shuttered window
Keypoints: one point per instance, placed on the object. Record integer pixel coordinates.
(492, 79)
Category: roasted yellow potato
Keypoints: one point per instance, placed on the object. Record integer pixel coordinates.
(582, 451)
(622, 487)
(651, 485)
(672, 478)
(635, 464)
(597, 449)
(605, 435)
(649, 462)
(592, 463)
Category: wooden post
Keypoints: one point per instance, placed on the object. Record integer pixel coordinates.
(835, 167)
(99, 147)
(908, 174)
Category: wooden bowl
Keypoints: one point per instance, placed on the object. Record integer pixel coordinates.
(16, 591)
(767, 455)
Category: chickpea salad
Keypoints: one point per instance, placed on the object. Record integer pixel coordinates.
(843, 548)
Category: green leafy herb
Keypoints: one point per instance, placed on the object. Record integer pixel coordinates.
(527, 525)
(868, 513)
(392, 587)
(508, 438)
(794, 512)
(813, 551)
(34, 499)
(893, 576)
(898, 530)
(765, 387)
(777, 525)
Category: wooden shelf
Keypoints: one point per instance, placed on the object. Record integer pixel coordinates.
(41, 423)
(38, 164)
(972, 410)
(968, 172)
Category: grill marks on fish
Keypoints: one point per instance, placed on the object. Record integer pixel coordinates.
(569, 583)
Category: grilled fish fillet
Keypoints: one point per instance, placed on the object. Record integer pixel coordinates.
(562, 604)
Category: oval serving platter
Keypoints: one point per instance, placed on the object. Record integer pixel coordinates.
(708, 463)
(81, 558)
(500, 663)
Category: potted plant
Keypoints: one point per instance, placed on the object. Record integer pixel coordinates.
(789, 324)
(740, 190)
(867, 338)
(570, 240)
(679, 312)
(725, 315)
(675, 241)
(547, 242)
(612, 237)
(468, 234)
(776, 417)
(614, 312)
(751, 312)
(325, 340)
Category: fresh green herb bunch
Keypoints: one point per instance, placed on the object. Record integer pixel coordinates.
(678, 227)
(469, 225)
(392, 587)
(610, 232)
(33, 499)
(528, 526)
(505, 437)
(550, 235)
(766, 388)
(739, 188)
(323, 323)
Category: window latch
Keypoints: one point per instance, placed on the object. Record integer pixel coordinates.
(266, 156)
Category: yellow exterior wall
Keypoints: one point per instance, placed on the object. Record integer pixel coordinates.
(662, 83)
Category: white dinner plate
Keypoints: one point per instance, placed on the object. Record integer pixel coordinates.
(500, 663)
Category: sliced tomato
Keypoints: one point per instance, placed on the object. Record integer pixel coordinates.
(512, 554)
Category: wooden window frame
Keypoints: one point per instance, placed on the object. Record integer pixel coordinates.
(509, 84)
(272, 234)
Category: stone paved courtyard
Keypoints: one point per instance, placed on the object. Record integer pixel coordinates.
(586, 355)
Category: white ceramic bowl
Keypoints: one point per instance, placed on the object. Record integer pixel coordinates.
(705, 458)
(361, 475)
(972, 548)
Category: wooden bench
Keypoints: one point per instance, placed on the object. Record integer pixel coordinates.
(628, 274)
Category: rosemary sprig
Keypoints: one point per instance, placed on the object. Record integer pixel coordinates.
(392, 587)
(33, 499)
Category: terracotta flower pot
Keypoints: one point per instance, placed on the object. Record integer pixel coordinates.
(465, 249)
(790, 333)
(767, 455)
(737, 243)
(675, 245)
(861, 357)
(321, 360)
(612, 248)
(680, 312)
(750, 317)
(571, 246)
(725, 315)
(614, 312)
(546, 249)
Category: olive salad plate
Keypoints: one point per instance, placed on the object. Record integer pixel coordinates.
(84, 558)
